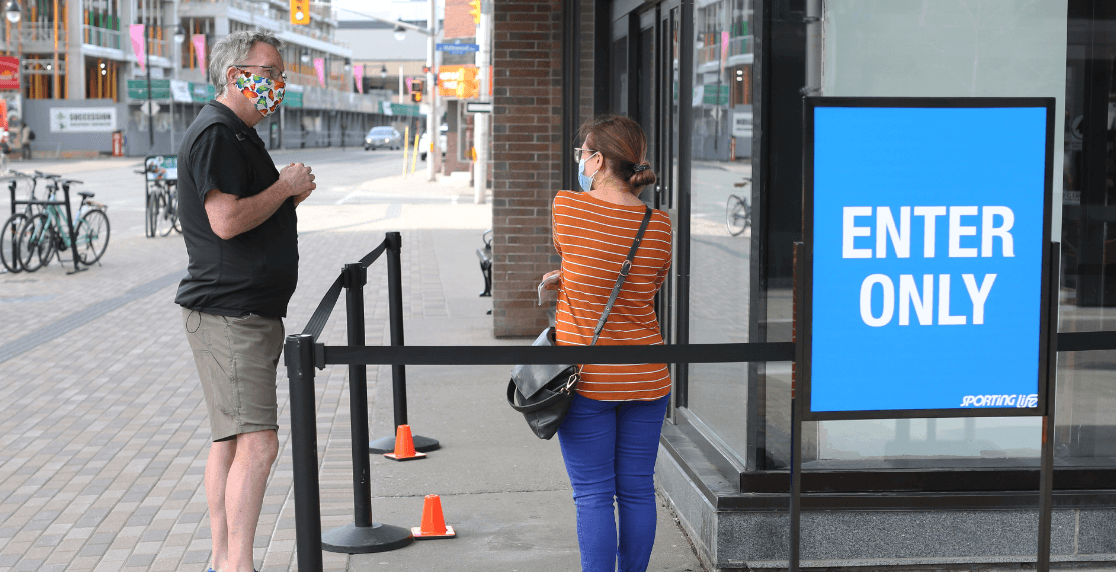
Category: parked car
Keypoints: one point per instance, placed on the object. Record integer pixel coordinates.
(383, 137)
(424, 142)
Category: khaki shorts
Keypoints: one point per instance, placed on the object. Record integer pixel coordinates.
(237, 360)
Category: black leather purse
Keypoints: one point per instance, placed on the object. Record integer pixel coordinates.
(543, 392)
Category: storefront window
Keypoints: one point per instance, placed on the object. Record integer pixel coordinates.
(1021, 52)
(720, 222)
(1086, 428)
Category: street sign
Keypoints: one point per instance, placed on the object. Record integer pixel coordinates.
(458, 49)
(478, 107)
(150, 108)
(927, 243)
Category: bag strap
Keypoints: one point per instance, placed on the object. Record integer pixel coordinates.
(624, 269)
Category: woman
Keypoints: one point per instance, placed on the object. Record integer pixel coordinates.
(610, 436)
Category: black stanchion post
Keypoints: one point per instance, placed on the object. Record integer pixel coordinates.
(299, 353)
(398, 371)
(363, 536)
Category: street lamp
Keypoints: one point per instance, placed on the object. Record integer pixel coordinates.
(400, 32)
(383, 76)
(305, 57)
(12, 12)
(179, 34)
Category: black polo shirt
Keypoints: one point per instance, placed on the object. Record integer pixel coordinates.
(256, 271)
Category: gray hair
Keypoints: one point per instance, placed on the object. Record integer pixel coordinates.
(233, 49)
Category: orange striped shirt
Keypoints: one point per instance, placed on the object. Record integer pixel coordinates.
(594, 237)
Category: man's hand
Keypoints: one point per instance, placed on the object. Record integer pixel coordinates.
(299, 181)
(230, 215)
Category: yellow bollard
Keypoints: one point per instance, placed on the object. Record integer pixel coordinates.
(406, 137)
(414, 156)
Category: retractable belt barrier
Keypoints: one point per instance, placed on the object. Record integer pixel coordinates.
(304, 354)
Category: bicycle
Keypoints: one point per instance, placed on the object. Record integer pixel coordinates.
(738, 215)
(161, 212)
(9, 232)
(43, 235)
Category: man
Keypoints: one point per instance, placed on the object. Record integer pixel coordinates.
(25, 137)
(238, 220)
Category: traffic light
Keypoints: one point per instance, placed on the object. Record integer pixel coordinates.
(300, 12)
(475, 10)
(417, 86)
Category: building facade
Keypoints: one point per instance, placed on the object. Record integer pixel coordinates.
(718, 87)
(79, 54)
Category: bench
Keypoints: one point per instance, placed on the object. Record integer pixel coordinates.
(485, 256)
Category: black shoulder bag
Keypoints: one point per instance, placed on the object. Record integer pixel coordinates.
(543, 392)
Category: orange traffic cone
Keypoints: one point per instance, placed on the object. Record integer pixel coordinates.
(404, 445)
(433, 524)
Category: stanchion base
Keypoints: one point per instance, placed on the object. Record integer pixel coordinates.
(352, 539)
(387, 445)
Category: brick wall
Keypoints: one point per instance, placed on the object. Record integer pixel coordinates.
(526, 133)
(458, 22)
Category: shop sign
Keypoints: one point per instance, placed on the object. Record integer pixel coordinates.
(201, 92)
(160, 89)
(180, 90)
(292, 98)
(927, 243)
(711, 94)
(400, 109)
(9, 72)
(82, 119)
(161, 167)
(458, 81)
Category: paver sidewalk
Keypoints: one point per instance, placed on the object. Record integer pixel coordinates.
(103, 432)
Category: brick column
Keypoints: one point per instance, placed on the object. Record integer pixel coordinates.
(526, 132)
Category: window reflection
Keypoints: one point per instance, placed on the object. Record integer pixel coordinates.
(720, 220)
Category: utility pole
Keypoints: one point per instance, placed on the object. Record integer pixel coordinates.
(482, 121)
(433, 125)
(150, 100)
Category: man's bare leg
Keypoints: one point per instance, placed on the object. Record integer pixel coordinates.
(221, 456)
(244, 492)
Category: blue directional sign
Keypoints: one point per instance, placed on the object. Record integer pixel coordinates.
(458, 49)
(928, 225)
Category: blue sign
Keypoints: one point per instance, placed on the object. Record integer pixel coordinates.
(929, 232)
(458, 49)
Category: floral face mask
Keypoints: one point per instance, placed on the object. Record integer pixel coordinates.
(264, 93)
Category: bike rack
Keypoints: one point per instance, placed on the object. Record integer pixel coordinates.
(69, 217)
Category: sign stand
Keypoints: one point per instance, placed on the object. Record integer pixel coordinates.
(1046, 470)
(843, 188)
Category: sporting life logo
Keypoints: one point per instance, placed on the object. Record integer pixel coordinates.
(1021, 401)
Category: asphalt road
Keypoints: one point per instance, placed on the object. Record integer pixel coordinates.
(115, 182)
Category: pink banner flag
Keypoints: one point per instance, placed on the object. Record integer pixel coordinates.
(358, 75)
(139, 45)
(319, 65)
(724, 46)
(199, 49)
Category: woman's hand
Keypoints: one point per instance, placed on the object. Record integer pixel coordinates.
(551, 281)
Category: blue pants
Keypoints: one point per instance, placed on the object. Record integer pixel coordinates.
(609, 448)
